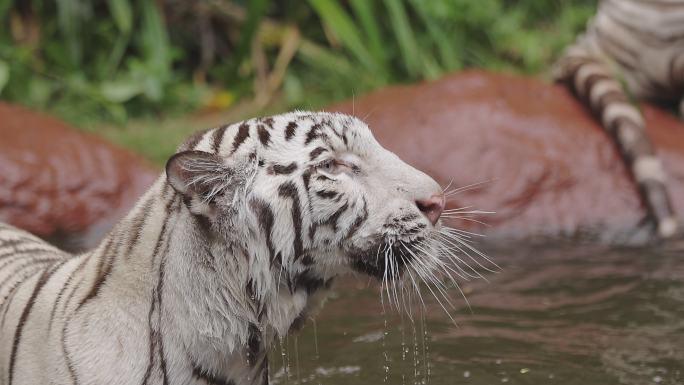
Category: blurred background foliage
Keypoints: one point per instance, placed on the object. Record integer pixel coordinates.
(94, 61)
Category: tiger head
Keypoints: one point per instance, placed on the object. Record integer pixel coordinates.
(308, 196)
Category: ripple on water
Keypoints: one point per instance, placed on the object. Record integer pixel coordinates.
(558, 313)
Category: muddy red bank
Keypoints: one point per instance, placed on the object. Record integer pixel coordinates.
(548, 166)
(552, 168)
(62, 184)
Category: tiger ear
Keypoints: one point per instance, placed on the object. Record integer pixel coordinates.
(200, 177)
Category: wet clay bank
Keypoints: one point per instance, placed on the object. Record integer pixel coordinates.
(62, 184)
(549, 167)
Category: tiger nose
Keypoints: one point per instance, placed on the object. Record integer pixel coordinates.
(432, 207)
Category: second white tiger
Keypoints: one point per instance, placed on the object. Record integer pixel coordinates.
(639, 43)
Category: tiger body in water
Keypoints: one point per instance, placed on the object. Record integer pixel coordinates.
(632, 49)
(232, 247)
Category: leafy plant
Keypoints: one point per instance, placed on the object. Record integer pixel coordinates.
(113, 59)
(87, 58)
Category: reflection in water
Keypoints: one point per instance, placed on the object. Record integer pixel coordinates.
(556, 314)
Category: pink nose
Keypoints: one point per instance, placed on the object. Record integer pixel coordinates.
(432, 207)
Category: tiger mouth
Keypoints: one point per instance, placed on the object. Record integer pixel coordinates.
(384, 261)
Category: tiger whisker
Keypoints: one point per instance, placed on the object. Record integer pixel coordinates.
(465, 236)
(471, 247)
(394, 276)
(460, 211)
(458, 261)
(415, 285)
(427, 275)
(464, 275)
(386, 278)
(471, 186)
(451, 278)
(459, 245)
(447, 269)
(446, 189)
(460, 208)
(462, 233)
(403, 290)
(437, 299)
(452, 238)
(467, 219)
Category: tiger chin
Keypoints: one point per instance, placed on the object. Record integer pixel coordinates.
(232, 247)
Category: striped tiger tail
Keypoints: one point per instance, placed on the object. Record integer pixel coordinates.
(593, 81)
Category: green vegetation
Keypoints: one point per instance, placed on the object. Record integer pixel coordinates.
(110, 60)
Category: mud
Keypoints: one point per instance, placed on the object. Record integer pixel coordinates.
(548, 166)
(62, 184)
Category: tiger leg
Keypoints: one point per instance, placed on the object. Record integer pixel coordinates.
(593, 82)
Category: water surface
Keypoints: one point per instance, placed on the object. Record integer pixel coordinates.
(558, 313)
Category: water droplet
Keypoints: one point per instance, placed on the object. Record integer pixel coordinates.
(524, 370)
(657, 379)
(296, 347)
(386, 366)
(505, 379)
(315, 333)
(466, 374)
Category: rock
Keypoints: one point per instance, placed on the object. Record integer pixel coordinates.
(547, 166)
(61, 184)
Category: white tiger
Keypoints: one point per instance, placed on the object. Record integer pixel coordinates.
(640, 43)
(230, 248)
